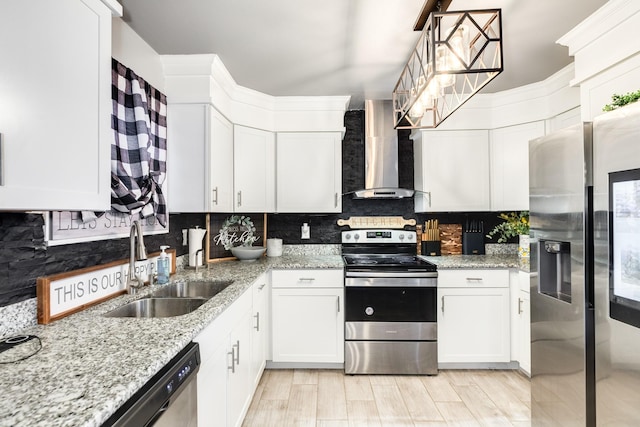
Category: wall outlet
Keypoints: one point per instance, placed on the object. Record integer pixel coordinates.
(305, 231)
(185, 239)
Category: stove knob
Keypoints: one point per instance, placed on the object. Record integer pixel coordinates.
(410, 236)
(347, 236)
(356, 236)
(401, 237)
(368, 311)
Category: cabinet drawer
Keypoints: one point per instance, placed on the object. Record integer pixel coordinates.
(325, 278)
(473, 278)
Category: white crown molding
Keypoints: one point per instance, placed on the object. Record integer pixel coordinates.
(205, 79)
(114, 7)
(606, 38)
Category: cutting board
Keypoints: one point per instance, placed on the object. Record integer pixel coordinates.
(376, 222)
(450, 239)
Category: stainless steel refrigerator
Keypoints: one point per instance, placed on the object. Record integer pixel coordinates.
(585, 273)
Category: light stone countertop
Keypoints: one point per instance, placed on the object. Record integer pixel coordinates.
(90, 365)
(446, 262)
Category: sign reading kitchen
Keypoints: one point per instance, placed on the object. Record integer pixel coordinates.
(70, 227)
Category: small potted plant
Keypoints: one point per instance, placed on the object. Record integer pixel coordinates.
(515, 224)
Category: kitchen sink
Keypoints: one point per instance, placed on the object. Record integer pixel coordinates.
(193, 289)
(157, 307)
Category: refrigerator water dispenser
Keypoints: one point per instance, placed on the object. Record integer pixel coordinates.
(554, 269)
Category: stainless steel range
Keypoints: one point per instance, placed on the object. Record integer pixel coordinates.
(390, 304)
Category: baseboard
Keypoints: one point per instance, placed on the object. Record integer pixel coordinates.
(303, 365)
(490, 365)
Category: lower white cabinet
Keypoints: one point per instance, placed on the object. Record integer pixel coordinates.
(473, 316)
(308, 316)
(260, 327)
(225, 383)
(524, 323)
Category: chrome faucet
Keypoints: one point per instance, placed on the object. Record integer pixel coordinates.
(135, 282)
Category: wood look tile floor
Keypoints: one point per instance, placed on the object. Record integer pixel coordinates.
(328, 398)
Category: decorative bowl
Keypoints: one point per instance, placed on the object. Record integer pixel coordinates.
(248, 253)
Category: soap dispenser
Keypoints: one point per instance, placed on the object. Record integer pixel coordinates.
(163, 266)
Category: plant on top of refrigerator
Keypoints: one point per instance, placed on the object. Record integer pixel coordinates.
(515, 224)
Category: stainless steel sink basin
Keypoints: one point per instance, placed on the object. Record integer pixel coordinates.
(193, 289)
(157, 307)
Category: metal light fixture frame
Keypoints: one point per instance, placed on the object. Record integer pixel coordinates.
(417, 105)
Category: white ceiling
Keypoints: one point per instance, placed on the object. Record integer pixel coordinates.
(343, 47)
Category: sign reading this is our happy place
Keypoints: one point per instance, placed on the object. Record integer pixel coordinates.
(66, 293)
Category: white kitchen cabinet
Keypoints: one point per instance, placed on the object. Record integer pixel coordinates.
(254, 170)
(225, 386)
(55, 105)
(308, 316)
(309, 172)
(524, 323)
(260, 329)
(199, 159)
(509, 148)
(451, 171)
(473, 316)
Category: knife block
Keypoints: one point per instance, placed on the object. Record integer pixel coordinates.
(431, 247)
(472, 243)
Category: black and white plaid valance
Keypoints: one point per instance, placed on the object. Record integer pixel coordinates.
(139, 148)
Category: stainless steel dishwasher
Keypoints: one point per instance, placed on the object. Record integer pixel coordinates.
(167, 399)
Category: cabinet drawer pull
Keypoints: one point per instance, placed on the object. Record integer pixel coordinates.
(338, 304)
(215, 196)
(232, 368)
(237, 351)
(474, 279)
(519, 305)
(239, 198)
(429, 193)
(442, 307)
(335, 200)
(262, 286)
(257, 317)
(306, 279)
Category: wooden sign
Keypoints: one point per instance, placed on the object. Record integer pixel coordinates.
(66, 293)
(376, 222)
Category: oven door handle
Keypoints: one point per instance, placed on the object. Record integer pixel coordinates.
(391, 275)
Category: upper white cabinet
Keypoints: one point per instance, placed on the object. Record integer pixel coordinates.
(55, 105)
(509, 148)
(309, 172)
(254, 170)
(451, 170)
(199, 159)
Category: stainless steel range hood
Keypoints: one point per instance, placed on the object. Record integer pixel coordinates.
(381, 153)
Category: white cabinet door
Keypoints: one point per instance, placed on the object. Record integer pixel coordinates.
(240, 384)
(260, 328)
(199, 159)
(254, 170)
(524, 323)
(221, 163)
(474, 316)
(308, 325)
(473, 325)
(55, 105)
(212, 387)
(509, 148)
(309, 172)
(451, 171)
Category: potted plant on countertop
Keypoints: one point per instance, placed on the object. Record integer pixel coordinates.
(515, 224)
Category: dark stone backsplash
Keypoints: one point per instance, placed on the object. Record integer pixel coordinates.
(24, 256)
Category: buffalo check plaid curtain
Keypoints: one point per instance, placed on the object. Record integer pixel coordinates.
(139, 148)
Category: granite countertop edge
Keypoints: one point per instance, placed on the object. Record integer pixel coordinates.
(450, 262)
(68, 382)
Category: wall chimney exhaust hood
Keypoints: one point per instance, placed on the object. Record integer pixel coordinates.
(381, 153)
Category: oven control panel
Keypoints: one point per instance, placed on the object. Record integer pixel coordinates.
(378, 236)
